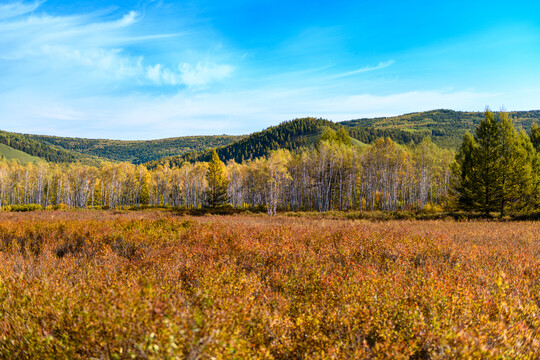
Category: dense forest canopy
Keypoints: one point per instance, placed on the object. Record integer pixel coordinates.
(43, 151)
(446, 127)
(136, 152)
(291, 135)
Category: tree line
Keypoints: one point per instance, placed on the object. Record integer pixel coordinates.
(333, 175)
(495, 170)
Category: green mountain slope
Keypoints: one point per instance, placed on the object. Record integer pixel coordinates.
(446, 127)
(136, 151)
(9, 153)
(289, 135)
(44, 151)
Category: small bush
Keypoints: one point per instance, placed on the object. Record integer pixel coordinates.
(23, 208)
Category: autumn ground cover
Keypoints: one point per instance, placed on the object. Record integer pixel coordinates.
(98, 284)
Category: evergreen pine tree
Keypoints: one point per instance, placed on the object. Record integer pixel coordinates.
(532, 197)
(216, 177)
(535, 136)
(515, 168)
(463, 183)
(497, 170)
(486, 177)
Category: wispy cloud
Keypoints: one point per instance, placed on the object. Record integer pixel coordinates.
(16, 9)
(381, 65)
(159, 70)
(141, 116)
(93, 50)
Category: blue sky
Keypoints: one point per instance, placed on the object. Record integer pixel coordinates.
(154, 69)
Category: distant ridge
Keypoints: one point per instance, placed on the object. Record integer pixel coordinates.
(291, 135)
(26, 144)
(135, 151)
(446, 127)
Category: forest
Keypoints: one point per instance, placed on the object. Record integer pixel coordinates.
(46, 152)
(495, 171)
(332, 175)
(136, 152)
(445, 128)
(291, 135)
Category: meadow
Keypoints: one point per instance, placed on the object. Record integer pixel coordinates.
(155, 285)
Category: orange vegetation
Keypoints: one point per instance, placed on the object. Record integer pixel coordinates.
(154, 285)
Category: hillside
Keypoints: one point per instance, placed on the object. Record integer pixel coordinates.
(446, 127)
(9, 153)
(31, 147)
(136, 151)
(289, 135)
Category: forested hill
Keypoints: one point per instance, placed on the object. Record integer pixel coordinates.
(289, 135)
(446, 127)
(136, 151)
(34, 148)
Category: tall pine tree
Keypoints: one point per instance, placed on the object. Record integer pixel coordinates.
(486, 163)
(463, 168)
(515, 168)
(535, 136)
(497, 169)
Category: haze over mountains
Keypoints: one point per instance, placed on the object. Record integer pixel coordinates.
(445, 127)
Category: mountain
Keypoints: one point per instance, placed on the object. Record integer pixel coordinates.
(289, 135)
(94, 151)
(135, 151)
(25, 144)
(446, 127)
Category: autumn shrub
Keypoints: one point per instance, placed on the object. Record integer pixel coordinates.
(21, 208)
(155, 285)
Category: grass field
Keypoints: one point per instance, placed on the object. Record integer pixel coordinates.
(154, 285)
(13, 154)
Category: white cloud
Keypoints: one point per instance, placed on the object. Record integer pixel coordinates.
(232, 112)
(204, 73)
(93, 51)
(16, 9)
(81, 75)
(381, 65)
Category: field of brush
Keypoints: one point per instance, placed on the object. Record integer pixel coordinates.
(79, 285)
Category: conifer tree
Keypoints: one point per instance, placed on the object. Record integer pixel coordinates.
(535, 136)
(532, 198)
(515, 168)
(497, 170)
(486, 176)
(216, 177)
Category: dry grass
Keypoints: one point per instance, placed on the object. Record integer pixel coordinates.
(152, 285)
